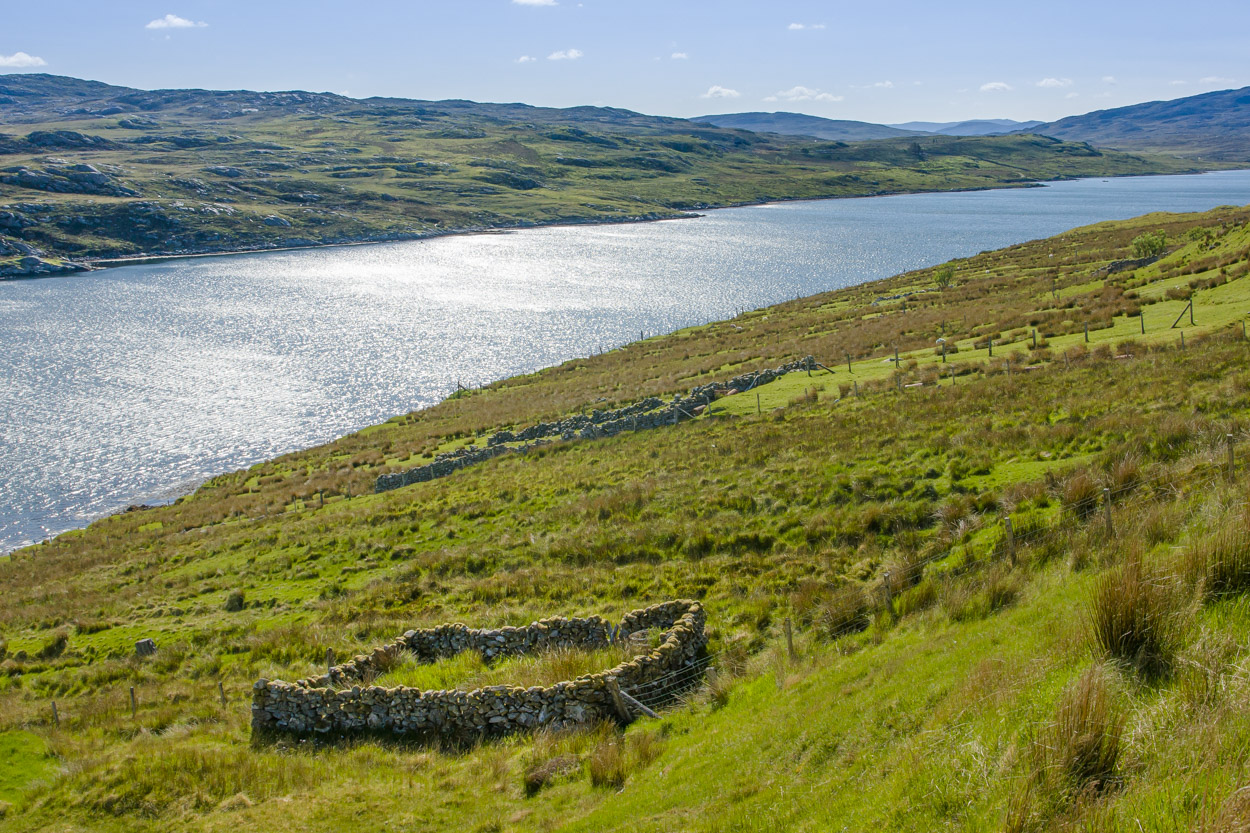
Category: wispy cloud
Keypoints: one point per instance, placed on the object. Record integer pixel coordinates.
(717, 91)
(525, 59)
(566, 55)
(679, 56)
(1055, 83)
(173, 21)
(536, 2)
(801, 93)
(21, 59)
(996, 87)
(884, 85)
(1178, 83)
(1216, 79)
(798, 27)
(1110, 79)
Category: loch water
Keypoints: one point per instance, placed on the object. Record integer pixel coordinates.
(133, 384)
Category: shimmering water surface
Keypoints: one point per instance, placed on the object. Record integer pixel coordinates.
(133, 384)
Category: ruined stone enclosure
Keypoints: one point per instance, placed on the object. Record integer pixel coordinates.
(342, 702)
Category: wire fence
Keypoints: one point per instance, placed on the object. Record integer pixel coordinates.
(1137, 491)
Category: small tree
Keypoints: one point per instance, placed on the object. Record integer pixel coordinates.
(944, 276)
(1150, 244)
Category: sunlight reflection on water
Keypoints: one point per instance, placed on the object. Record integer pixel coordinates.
(129, 385)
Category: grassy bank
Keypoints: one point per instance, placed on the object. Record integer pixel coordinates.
(947, 676)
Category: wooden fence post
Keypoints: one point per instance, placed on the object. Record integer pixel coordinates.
(790, 641)
(1142, 316)
(618, 702)
(758, 408)
(630, 701)
(221, 689)
(1011, 540)
(133, 708)
(991, 341)
(1232, 456)
(1087, 332)
(848, 363)
(329, 660)
(56, 718)
(1106, 504)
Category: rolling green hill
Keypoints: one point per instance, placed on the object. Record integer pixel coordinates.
(89, 171)
(1074, 674)
(801, 124)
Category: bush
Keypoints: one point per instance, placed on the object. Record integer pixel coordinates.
(55, 646)
(1134, 617)
(1150, 244)
(235, 601)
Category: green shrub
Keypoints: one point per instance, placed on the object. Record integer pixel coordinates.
(1150, 244)
(235, 601)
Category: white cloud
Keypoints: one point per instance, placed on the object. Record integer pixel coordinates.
(795, 27)
(884, 85)
(1215, 79)
(1054, 83)
(1177, 83)
(717, 91)
(801, 93)
(1073, 95)
(566, 55)
(525, 59)
(173, 21)
(21, 59)
(1109, 79)
(995, 87)
(680, 56)
(537, 2)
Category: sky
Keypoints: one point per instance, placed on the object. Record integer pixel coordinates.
(889, 62)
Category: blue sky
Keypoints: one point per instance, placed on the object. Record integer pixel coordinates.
(889, 62)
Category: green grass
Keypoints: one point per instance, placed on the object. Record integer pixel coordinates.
(936, 712)
(24, 762)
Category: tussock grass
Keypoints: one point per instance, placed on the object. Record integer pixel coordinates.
(1220, 560)
(1134, 616)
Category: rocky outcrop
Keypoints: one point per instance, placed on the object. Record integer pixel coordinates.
(646, 414)
(315, 705)
(67, 179)
(31, 266)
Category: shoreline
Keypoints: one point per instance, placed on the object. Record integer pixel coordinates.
(173, 493)
(97, 264)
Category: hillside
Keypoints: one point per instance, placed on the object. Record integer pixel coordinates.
(1086, 671)
(89, 171)
(1212, 126)
(801, 124)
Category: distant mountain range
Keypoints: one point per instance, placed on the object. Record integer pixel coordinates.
(1211, 126)
(974, 127)
(801, 124)
(838, 130)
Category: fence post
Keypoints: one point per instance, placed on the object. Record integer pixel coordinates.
(1182, 339)
(133, 708)
(991, 348)
(1087, 332)
(329, 660)
(1143, 322)
(1106, 505)
(758, 409)
(56, 718)
(848, 362)
(221, 689)
(889, 593)
(1011, 539)
(618, 702)
(1232, 456)
(943, 351)
(790, 641)
(1035, 338)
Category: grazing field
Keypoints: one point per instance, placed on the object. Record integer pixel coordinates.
(1086, 670)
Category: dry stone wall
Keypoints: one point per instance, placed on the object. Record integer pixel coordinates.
(643, 415)
(342, 702)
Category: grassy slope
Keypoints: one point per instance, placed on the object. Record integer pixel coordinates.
(915, 724)
(392, 170)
